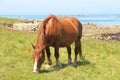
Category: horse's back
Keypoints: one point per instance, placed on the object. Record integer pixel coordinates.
(76, 24)
(71, 30)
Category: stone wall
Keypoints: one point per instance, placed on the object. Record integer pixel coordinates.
(101, 32)
(26, 26)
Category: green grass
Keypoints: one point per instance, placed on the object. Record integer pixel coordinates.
(16, 63)
(9, 20)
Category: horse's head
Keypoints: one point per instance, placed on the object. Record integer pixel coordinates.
(39, 58)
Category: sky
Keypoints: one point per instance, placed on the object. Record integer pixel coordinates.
(60, 7)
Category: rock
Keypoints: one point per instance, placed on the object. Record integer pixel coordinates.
(109, 38)
(101, 32)
(26, 26)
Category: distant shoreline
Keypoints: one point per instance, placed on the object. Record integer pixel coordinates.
(100, 19)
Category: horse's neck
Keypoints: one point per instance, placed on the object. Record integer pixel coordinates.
(41, 41)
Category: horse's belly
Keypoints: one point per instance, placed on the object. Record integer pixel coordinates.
(64, 44)
(67, 40)
(60, 43)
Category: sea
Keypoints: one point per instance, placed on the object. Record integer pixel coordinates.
(99, 19)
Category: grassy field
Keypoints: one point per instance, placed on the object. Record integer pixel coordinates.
(10, 20)
(16, 63)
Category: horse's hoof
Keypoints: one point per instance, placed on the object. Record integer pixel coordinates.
(47, 67)
(75, 64)
(69, 62)
(58, 66)
(82, 58)
(35, 72)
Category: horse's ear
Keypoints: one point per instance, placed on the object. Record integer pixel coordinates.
(33, 46)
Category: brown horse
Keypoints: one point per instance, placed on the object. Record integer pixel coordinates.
(57, 32)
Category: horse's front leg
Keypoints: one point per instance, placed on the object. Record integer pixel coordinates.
(58, 65)
(49, 62)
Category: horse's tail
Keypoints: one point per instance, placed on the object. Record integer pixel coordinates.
(80, 29)
(80, 44)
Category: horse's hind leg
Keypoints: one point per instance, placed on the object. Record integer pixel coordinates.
(49, 63)
(69, 54)
(76, 51)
